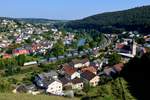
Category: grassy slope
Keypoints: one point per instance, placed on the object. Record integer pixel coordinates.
(9, 96)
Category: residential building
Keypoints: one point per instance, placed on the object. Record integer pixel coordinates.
(77, 83)
(76, 63)
(89, 68)
(54, 87)
(90, 77)
(20, 51)
(70, 72)
(45, 81)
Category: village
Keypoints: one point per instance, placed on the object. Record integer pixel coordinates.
(85, 67)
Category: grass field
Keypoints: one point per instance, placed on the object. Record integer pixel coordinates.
(9, 96)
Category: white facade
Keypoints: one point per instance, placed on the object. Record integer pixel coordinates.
(94, 81)
(74, 75)
(134, 49)
(86, 64)
(79, 65)
(30, 63)
(78, 86)
(55, 88)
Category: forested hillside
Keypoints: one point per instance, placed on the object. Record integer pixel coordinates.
(133, 19)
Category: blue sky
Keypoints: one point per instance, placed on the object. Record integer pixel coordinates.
(64, 9)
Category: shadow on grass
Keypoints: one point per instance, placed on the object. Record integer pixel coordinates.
(137, 74)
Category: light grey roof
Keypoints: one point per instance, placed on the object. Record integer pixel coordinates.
(49, 74)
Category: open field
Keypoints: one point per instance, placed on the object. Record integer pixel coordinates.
(9, 96)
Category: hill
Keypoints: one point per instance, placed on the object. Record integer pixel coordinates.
(132, 19)
(35, 20)
(40, 21)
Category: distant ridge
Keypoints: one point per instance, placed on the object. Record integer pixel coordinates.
(132, 19)
(35, 20)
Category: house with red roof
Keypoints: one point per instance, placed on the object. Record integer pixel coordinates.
(118, 67)
(115, 69)
(20, 51)
(5, 56)
(70, 72)
(89, 68)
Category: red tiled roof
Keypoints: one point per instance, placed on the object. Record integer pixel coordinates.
(90, 68)
(65, 65)
(5, 56)
(120, 46)
(69, 70)
(118, 67)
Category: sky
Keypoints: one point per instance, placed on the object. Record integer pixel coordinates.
(64, 9)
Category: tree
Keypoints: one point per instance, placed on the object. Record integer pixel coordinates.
(2, 64)
(86, 87)
(116, 22)
(11, 66)
(58, 48)
(114, 59)
(80, 48)
(28, 41)
(74, 44)
(9, 51)
(21, 59)
(92, 44)
(140, 40)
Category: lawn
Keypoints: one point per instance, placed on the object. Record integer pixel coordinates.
(9, 96)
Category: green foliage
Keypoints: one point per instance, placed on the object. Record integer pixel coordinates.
(9, 66)
(21, 59)
(4, 85)
(140, 40)
(47, 35)
(92, 44)
(87, 87)
(9, 51)
(2, 64)
(114, 59)
(58, 48)
(115, 89)
(48, 67)
(28, 41)
(80, 48)
(74, 45)
(116, 22)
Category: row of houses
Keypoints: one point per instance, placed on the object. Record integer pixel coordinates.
(73, 75)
